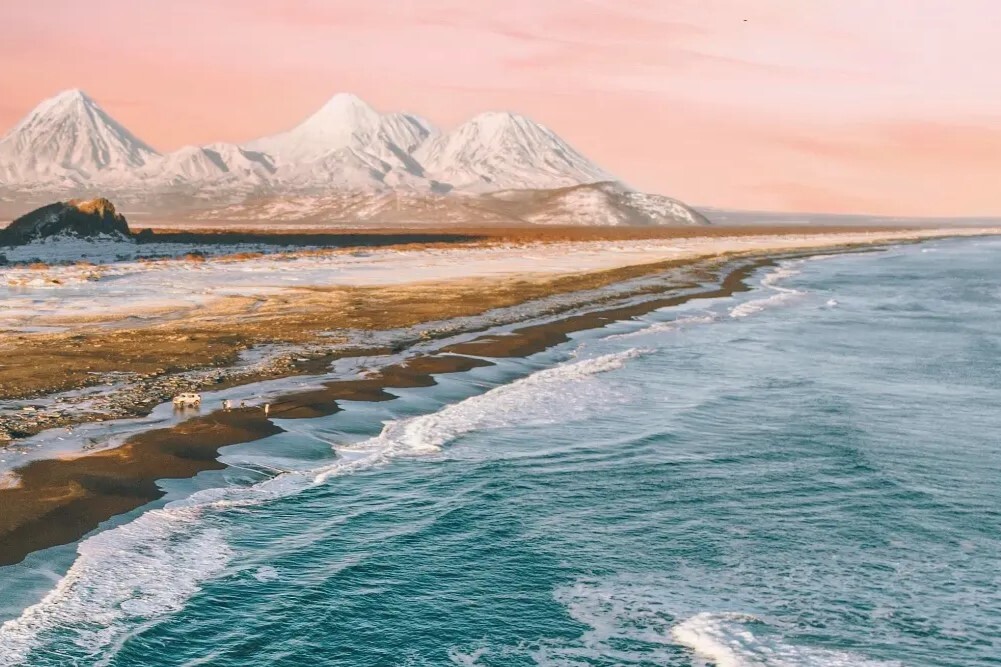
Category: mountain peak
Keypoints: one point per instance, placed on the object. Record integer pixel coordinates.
(500, 123)
(72, 94)
(344, 121)
(69, 138)
(344, 111)
(67, 101)
(500, 117)
(500, 150)
(347, 100)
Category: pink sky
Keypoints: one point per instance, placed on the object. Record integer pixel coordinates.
(881, 106)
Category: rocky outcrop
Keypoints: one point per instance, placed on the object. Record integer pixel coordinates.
(92, 218)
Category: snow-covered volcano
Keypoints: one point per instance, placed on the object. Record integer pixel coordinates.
(349, 145)
(345, 121)
(69, 144)
(505, 151)
(68, 140)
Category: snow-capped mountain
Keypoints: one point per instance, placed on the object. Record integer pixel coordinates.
(588, 204)
(69, 139)
(605, 203)
(345, 152)
(502, 151)
(212, 164)
(347, 143)
(344, 121)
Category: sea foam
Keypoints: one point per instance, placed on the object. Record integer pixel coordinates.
(123, 576)
(522, 402)
(780, 294)
(643, 620)
(139, 572)
(741, 640)
(665, 327)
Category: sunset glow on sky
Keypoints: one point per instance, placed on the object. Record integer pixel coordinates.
(880, 106)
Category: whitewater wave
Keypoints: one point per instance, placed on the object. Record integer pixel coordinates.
(121, 577)
(665, 327)
(741, 640)
(527, 401)
(642, 621)
(771, 282)
(137, 573)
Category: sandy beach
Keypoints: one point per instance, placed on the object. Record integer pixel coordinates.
(405, 313)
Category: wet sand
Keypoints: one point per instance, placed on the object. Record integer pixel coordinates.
(60, 500)
(165, 341)
(57, 501)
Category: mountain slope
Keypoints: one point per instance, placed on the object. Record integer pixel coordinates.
(502, 151)
(346, 162)
(207, 165)
(70, 139)
(348, 144)
(344, 121)
(590, 204)
(608, 204)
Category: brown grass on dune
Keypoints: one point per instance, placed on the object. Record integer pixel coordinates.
(215, 334)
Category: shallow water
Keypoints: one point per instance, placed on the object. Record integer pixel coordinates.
(804, 475)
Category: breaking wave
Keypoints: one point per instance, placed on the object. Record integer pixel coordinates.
(643, 621)
(780, 294)
(122, 577)
(139, 572)
(665, 327)
(523, 402)
(742, 640)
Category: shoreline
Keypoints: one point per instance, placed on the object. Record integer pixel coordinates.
(55, 501)
(120, 360)
(59, 500)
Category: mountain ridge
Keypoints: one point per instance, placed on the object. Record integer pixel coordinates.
(68, 143)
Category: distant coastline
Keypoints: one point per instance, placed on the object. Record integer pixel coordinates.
(404, 335)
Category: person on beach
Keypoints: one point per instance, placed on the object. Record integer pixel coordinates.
(226, 404)
(267, 409)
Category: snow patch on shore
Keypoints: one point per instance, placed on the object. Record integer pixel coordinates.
(36, 297)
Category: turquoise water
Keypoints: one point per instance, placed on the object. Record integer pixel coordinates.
(807, 475)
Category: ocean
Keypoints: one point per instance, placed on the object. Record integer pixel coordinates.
(804, 475)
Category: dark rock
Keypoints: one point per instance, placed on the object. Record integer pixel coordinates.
(83, 219)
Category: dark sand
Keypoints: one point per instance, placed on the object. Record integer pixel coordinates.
(60, 500)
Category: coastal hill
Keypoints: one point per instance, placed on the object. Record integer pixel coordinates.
(345, 151)
(92, 219)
